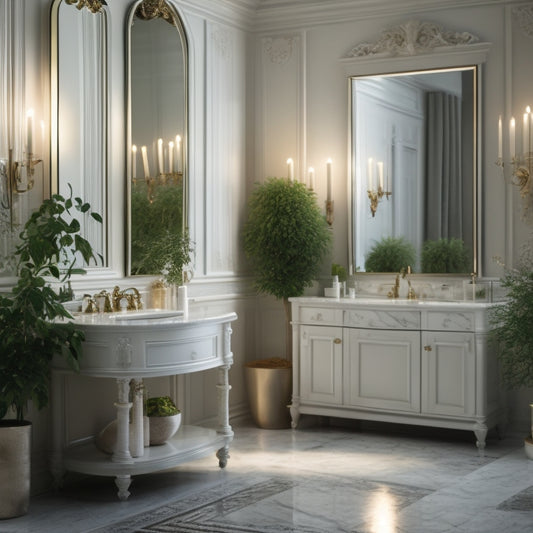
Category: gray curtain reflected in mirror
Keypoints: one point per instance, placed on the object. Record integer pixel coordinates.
(413, 154)
(158, 133)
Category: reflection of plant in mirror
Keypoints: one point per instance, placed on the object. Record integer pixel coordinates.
(156, 228)
(390, 254)
(445, 256)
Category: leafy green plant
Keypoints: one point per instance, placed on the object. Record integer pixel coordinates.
(31, 329)
(511, 324)
(286, 238)
(340, 271)
(445, 256)
(390, 254)
(161, 406)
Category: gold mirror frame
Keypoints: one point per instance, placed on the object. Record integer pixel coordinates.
(147, 10)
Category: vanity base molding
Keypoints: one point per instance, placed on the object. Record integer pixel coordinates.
(420, 363)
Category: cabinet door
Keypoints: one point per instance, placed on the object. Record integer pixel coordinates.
(321, 364)
(382, 369)
(448, 373)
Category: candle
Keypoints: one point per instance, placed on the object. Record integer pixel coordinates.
(512, 128)
(145, 162)
(178, 153)
(134, 161)
(160, 155)
(500, 138)
(290, 169)
(171, 156)
(380, 174)
(328, 173)
(311, 178)
(369, 174)
(29, 132)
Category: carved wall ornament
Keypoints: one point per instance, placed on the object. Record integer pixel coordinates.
(151, 9)
(222, 41)
(524, 16)
(412, 37)
(279, 49)
(93, 5)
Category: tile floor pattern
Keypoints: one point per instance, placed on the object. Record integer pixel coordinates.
(371, 479)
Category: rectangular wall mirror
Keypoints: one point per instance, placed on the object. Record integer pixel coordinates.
(414, 170)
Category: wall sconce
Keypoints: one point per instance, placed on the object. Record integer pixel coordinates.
(93, 5)
(375, 194)
(18, 177)
(521, 162)
(172, 172)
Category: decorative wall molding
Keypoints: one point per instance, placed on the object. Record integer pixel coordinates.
(222, 40)
(279, 49)
(524, 16)
(410, 38)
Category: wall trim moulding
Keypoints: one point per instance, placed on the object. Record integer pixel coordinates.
(524, 17)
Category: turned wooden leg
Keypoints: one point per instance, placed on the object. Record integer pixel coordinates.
(480, 432)
(295, 412)
(223, 456)
(123, 483)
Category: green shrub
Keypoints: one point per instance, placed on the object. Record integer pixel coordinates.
(161, 406)
(390, 254)
(445, 256)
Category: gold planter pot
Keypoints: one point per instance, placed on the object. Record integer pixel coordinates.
(15, 468)
(269, 394)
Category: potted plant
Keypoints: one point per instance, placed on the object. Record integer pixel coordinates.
(286, 237)
(390, 254)
(34, 328)
(511, 322)
(165, 419)
(445, 256)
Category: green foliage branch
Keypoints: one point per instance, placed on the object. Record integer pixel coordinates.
(390, 254)
(445, 256)
(511, 323)
(31, 329)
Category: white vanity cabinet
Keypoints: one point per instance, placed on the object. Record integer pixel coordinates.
(413, 362)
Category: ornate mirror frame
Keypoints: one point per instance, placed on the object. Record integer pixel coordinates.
(408, 48)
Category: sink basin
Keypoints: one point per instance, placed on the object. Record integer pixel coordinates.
(126, 316)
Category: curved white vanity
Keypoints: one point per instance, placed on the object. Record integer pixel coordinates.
(131, 346)
(405, 361)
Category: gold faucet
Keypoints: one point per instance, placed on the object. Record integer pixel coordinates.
(132, 297)
(395, 291)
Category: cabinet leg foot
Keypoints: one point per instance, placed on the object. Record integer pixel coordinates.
(123, 484)
(481, 434)
(295, 416)
(223, 456)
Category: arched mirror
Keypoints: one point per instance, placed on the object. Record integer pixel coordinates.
(157, 127)
(414, 169)
(79, 114)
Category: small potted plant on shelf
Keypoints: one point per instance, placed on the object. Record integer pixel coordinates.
(513, 331)
(34, 328)
(165, 419)
(286, 237)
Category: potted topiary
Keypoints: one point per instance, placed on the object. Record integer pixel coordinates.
(445, 256)
(390, 254)
(286, 237)
(34, 327)
(512, 330)
(165, 419)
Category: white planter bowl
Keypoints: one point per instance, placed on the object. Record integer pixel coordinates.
(163, 428)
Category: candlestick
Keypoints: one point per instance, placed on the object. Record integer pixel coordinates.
(512, 129)
(311, 172)
(134, 161)
(178, 153)
(328, 173)
(145, 162)
(500, 138)
(171, 156)
(380, 174)
(160, 155)
(290, 169)
(29, 132)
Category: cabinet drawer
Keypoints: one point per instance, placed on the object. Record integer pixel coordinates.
(168, 353)
(456, 321)
(320, 315)
(376, 319)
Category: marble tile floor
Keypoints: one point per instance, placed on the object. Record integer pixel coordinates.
(372, 478)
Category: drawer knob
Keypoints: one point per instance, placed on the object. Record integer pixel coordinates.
(337, 341)
(428, 348)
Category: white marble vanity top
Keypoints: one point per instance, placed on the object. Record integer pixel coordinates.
(347, 303)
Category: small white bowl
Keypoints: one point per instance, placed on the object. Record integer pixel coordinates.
(163, 428)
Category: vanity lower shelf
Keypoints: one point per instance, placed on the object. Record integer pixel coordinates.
(188, 444)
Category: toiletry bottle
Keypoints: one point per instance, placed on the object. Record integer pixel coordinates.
(336, 286)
